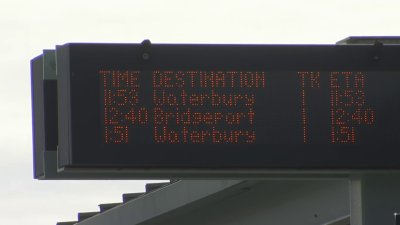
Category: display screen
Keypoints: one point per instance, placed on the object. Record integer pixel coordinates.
(237, 107)
(193, 111)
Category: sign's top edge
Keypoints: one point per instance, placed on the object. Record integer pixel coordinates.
(195, 44)
(338, 45)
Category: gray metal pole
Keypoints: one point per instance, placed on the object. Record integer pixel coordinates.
(375, 198)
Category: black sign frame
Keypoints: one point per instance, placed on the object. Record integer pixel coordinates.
(79, 141)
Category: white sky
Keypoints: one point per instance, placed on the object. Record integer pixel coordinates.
(27, 27)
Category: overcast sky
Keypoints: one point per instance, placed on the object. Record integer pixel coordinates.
(27, 27)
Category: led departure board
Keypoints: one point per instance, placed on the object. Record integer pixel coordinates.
(218, 107)
(229, 106)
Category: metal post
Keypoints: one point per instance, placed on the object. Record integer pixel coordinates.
(375, 198)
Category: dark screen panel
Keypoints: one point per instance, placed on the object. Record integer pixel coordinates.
(213, 106)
